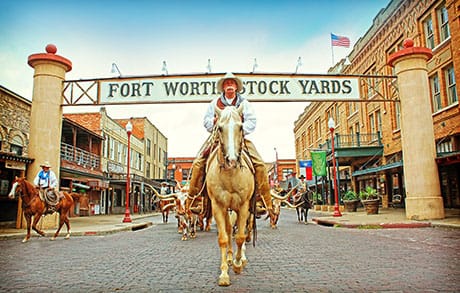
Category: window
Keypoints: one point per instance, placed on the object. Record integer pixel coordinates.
(429, 35)
(147, 170)
(451, 85)
(112, 149)
(444, 147)
(372, 123)
(119, 153)
(105, 146)
(171, 174)
(185, 173)
(443, 21)
(1, 139)
(140, 162)
(435, 93)
(16, 145)
(352, 108)
(149, 143)
(287, 172)
(371, 83)
(378, 116)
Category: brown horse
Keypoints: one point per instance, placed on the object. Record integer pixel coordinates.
(33, 206)
(230, 186)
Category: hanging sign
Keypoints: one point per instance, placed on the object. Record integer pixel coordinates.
(202, 88)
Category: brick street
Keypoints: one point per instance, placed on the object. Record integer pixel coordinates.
(293, 258)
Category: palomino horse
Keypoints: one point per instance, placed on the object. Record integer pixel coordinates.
(230, 186)
(32, 205)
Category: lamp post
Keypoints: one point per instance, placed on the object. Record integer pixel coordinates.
(337, 213)
(127, 218)
(276, 166)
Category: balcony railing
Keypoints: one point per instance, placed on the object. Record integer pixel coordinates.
(80, 156)
(354, 141)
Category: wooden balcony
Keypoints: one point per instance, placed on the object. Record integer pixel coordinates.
(80, 157)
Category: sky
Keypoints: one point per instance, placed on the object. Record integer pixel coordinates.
(139, 35)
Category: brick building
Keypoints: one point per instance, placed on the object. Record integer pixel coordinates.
(367, 134)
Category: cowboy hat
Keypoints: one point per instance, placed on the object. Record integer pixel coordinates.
(229, 75)
(302, 177)
(46, 164)
(164, 183)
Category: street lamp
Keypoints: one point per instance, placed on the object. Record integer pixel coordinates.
(337, 213)
(129, 130)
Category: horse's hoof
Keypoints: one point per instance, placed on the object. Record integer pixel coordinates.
(25, 240)
(224, 280)
(67, 237)
(237, 268)
(52, 238)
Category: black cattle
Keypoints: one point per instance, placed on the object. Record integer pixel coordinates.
(303, 203)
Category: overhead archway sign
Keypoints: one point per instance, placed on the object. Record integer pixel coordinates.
(197, 88)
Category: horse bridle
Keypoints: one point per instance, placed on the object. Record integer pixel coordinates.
(21, 195)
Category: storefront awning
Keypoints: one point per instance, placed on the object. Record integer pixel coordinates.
(378, 169)
(79, 185)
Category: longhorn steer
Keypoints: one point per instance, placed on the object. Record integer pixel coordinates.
(187, 220)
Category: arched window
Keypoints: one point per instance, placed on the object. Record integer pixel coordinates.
(16, 145)
(1, 141)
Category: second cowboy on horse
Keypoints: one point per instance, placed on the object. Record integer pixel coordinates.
(46, 182)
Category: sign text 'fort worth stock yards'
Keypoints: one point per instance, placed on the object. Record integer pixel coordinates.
(202, 88)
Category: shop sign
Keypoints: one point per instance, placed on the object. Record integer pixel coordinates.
(15, 165)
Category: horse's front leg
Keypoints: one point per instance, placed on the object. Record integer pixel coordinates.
(37, 218)
(240, 258)
(222, 238)
(28, 222)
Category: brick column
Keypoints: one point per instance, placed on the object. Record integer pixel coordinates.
(46, 111)
(423, 192)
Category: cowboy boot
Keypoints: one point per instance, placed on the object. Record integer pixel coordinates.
(196, 182)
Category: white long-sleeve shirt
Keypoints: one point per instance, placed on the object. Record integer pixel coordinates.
(45, 179)
(249, 116)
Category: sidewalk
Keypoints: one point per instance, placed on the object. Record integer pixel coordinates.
(88, 226)
(386, 218)
(108, 224)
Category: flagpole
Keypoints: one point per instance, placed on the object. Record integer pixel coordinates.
(332, 50)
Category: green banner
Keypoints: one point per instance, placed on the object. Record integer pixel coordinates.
(319, 163)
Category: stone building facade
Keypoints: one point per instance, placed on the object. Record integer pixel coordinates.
(14, 141)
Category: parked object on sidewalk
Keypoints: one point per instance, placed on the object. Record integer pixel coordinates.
(370, 200)
(350, 201)
(32, 205)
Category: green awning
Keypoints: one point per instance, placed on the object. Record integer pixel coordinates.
(377, 169)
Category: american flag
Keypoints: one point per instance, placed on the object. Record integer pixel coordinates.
(340, 41)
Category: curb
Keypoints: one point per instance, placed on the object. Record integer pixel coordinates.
(100, 232)
(338, 224)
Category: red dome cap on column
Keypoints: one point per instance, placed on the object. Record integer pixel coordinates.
(409, 49)
(50, 55)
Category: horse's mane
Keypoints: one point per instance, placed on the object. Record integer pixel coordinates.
(28, 186)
